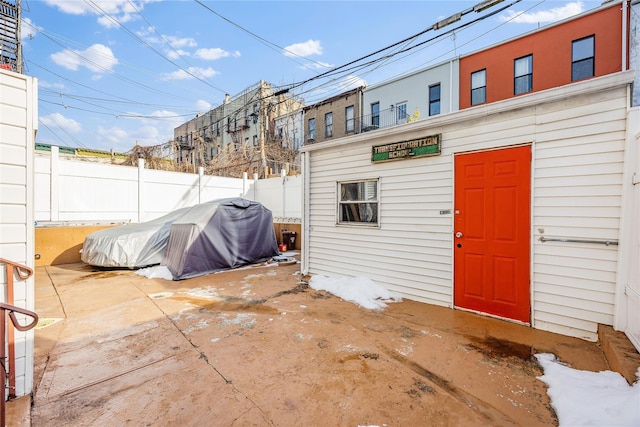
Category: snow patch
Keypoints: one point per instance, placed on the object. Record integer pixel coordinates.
(359, 290)
(156, 272)
(584, 398)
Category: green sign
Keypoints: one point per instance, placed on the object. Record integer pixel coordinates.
(427, 146)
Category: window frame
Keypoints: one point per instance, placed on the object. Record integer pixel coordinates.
(523, 77)
(375, 114)
(328, 124)
(576, 62)
(401, 112)
(435, 101)
(311, 126)
(484, 87)
(350, 119)
(375, 201)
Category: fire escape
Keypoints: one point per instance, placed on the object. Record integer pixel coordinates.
(10, 47)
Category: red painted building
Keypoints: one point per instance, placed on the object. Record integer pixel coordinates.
(587, 46)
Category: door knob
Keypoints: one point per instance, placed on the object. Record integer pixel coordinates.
(459, 234)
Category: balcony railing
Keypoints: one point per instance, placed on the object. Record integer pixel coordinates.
(384, 119)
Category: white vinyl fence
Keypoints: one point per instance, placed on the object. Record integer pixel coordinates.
(73, 191)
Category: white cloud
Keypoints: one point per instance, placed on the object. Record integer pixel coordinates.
(177, 54)
(57, 120)
(97, 58)
(114, 137)
(544, 16)
(310, 47)
(211, 54)
(180, 42)
(110, 13)
(29, 29)
(202, 105)
(352, 82)
(47, 85)
(192, 71)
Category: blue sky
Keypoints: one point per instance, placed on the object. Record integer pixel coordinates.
(119, 72)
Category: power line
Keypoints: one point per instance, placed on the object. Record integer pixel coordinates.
(147, 45)
(261, 39)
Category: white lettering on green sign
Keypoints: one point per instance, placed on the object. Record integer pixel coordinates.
(427, 146)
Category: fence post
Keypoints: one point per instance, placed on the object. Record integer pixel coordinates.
(255, 186)
(54, 184)
(200, 183)
(245, 177)
(283, 174)
(140, 188)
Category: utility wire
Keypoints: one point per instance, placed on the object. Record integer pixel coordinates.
(261, 39)
(147, 45)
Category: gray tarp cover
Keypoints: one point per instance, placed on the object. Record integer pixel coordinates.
(218, 235)
(207, 237)
(130, 245)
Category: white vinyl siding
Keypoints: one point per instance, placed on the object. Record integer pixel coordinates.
(577, 163)
(18, 122)
(578, 195)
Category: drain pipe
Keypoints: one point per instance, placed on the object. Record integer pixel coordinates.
(306, 173)
(625, 16)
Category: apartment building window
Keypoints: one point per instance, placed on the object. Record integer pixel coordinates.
(375, 114)
(358, 202)
(255, 140)
(312, 129)
(523, 75)
(328, 124)
(401, 112)
(479, 87)
(583, 58)
(434, 99)
(350, 121)
(217, 128)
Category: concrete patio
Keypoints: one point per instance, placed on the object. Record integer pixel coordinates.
(258, 347)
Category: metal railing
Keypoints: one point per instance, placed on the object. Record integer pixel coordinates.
(8, 361)
(567, 240)
(384, 119)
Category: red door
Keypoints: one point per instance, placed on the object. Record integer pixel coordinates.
(491, 232)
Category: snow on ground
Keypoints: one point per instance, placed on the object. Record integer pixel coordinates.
(157, 272)
(584, 398)
(359, 290)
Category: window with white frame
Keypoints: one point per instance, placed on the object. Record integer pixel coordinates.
(583, 58)
(401, 112)
(328, 124)
(434, 99)
(358, 202)
(479, 87)
(350, 121)
(312, 129)
(375, 114)
(523, 75)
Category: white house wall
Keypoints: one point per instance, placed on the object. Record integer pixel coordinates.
(18, 123)
(414, 90)
(577, 134)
